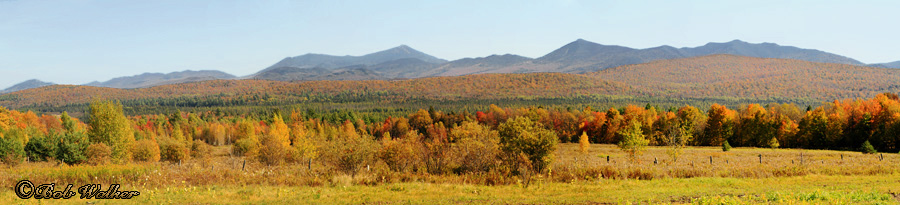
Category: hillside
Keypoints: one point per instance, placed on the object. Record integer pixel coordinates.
(749, 77)
(486, 86)
(28, 84)
(154, 79)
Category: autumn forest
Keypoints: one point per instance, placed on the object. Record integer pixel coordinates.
(488, 129)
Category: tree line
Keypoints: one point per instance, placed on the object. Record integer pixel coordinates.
(509, 140)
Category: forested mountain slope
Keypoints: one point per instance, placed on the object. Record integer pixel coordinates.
(749, 77)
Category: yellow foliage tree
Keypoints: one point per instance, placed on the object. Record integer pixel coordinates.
(279, 131)
(583, 142)
(109, 126)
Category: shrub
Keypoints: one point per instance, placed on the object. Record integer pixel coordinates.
(98, 154)
(248, 147)
(350, 154)
(273, 151)
(726, 146)
(867, 148)
(521, 135)
(40, 148)
(400, 154)
(200, 149)
(146, 150)
(71, 148)
(476, 147)
(173, 151)
(11, 151)
(436, 157)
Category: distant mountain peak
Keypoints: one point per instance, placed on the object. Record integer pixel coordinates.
(582, 42)
(402, 49)
(149, 79)
(28, 84)
(334, 62)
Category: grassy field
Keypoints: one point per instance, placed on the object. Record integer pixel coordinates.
(736, 176)
(815, 189)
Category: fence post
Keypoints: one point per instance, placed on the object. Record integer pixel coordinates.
(245, 164)
(607, 158)
(655, 161)
(710, 159)
(760, 158)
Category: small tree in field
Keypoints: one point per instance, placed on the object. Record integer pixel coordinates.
(867, 148)
(677, 138)
(109, 126)
(633, 141)
(521, 135)
(680, 133)
(726, 146)
(584, 143)
(773, 143)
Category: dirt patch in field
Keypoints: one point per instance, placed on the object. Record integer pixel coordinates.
(896, 195)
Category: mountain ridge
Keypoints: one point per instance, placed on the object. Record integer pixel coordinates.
(332, 61)
(24, 85)
(152, 79)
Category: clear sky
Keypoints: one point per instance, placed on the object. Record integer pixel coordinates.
(78, 41)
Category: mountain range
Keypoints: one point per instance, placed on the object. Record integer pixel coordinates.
(404, 62)
(579, 56)
(137, 81)
(720, 78)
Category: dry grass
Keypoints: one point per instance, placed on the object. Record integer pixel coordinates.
(695, 162)
(571, 165)
(575, 177)
(813, 189)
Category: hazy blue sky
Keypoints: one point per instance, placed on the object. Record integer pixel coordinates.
(75, 42)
